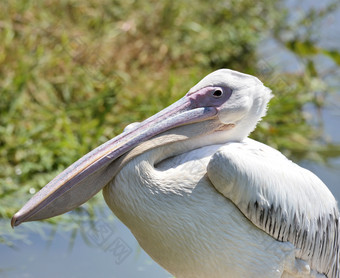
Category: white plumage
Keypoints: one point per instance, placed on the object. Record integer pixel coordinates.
(201, 198)
(189, 213)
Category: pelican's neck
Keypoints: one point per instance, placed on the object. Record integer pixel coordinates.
(176, 141)
(184, 139)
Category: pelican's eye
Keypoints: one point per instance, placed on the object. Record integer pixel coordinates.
(217, 93)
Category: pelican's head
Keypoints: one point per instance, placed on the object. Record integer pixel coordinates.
(229, 98)
(240, 99)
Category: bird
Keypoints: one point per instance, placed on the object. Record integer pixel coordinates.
(201, 197)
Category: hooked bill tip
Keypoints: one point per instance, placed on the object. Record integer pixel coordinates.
(15, 221)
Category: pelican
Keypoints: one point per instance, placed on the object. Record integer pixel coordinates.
(203, 199)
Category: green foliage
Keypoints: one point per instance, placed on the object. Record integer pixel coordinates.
(73, 74)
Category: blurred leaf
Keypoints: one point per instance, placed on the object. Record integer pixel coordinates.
(333, 54)
(302, 48)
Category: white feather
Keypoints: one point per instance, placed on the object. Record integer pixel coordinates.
(288, 202)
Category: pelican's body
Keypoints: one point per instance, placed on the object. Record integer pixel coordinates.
(201, 198)
(186, 225)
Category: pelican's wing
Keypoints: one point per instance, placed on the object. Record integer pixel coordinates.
(286, 201)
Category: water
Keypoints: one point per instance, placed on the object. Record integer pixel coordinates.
(54, 259)
(114, 252)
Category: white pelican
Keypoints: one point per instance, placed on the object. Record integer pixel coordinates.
(201, 198)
